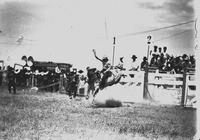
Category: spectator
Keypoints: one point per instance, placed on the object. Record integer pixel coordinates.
(72, 84)
(159, 51)
(166, 55)
(185, 61)
(161, 62)
(11, 79)
(177, 63)
(155, 51)
(134, 64)
(192, 62)
(121, 64)
(143, 64)
(154, 61)
(169, 65)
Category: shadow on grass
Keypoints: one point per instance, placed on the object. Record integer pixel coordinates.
(110, 103)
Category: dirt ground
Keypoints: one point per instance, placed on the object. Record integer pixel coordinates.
(30, 115)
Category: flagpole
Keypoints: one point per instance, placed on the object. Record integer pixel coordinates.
(113, 51)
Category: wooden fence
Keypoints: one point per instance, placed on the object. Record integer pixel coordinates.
(173, 81)
(150, 77)
(167, 80)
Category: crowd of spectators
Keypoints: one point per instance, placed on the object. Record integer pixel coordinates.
(161, 61)
(167, 63)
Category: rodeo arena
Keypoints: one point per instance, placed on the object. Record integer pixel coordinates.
(160, 77)
(155, 98)
(162, 84)
(99, 70)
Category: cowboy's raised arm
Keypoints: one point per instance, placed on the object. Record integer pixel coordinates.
(96, 55)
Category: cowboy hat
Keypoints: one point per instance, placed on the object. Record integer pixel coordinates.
(105, 58)
(134, 57)
(121, 58)
(164, 47)
(144, 58)
(80, 71)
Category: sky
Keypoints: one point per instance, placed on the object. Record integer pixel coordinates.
(67, 30)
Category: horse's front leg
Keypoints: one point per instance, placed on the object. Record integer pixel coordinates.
(96, 90)
(88, 92)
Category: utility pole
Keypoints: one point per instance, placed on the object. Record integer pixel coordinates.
(113, 51)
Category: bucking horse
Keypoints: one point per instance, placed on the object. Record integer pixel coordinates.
(98, 81)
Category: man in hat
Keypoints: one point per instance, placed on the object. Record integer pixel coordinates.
(11, 79)
(155, 48)
(105, 64)
(73, 81)
(166, 55)
(76, 82)
(121, 64)
(153, 56)
(143, 64)
(134, 67)
(134, 64)
(159, 51)
(185, 61)
(106, 73)
(82, 82)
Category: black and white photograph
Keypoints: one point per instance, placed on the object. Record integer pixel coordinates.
(99, 69)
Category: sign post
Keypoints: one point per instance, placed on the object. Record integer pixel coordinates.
(145, 87)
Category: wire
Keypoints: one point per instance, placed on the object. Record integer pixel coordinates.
(173, 35)
(6, 43)
(195, 27)
(16, 37)
(157, 29)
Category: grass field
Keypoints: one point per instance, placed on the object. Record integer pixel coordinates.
(54, 116)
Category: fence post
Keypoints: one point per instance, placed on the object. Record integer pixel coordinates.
(184, 88)
(32, 80)
(61, 83)
(145, 85)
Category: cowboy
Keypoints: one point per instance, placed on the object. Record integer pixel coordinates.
(105, 64)
(105, 70)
